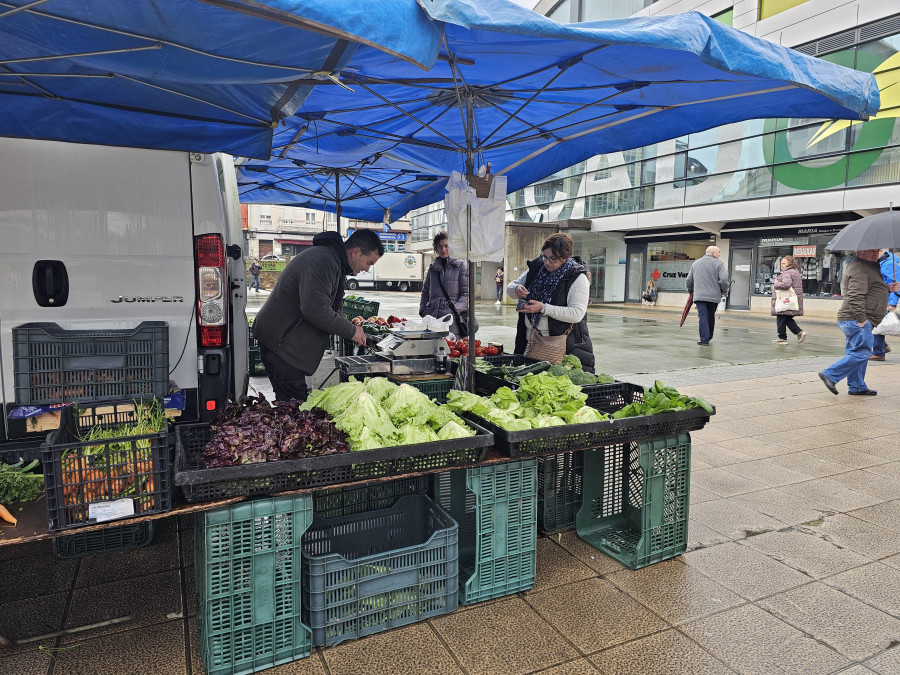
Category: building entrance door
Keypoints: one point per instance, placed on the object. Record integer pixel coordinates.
(740, 267)
(635, 273)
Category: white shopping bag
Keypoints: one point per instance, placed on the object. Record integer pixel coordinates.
(488, 219)
(890, 325)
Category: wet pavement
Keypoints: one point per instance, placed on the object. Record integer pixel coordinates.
(792, 563)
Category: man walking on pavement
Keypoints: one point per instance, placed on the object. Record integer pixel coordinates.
(708, 281)
(889, 263)
(865, 301)
(292, 328)
(254, 276)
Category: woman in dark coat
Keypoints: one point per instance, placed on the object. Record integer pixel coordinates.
(788, 278)
(454, 275)
(557, 291)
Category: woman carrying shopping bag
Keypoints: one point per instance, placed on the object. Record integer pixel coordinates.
(785, 307)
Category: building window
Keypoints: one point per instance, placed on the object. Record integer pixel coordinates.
(820, 269)
(669, 262)
(726, 17)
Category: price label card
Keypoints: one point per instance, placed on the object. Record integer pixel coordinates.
(103, 511)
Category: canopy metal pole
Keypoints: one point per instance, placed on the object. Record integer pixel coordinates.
(337, 199)
(470, 171)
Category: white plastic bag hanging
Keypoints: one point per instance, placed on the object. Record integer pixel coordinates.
(890, 325)
(488, 219)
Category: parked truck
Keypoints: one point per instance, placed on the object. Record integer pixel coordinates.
(394, 271)
(122, 276)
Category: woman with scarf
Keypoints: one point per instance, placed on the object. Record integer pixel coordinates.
(446, 286)
(556, 291)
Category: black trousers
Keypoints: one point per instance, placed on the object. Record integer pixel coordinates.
(287, 381)
(707, 313)
(785, 322)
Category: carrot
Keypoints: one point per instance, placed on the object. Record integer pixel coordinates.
(7, 516)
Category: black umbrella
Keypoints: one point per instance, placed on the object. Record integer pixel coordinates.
(879, 231)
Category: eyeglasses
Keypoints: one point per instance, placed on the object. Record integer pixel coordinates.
(550, 260)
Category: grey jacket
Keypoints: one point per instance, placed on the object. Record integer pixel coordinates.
(305, 305)
(708, 279)
(455, 277)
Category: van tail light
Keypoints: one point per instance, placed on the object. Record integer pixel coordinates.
(212, 296)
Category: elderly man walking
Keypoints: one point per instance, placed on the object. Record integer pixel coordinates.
(865, 301)
(708, 281)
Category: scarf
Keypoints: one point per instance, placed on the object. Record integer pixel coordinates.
(545, 283)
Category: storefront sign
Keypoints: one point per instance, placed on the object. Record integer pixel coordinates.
(804, 251)
(384, 236)
(771, 242)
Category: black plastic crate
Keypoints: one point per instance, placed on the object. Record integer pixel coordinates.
(564, 438)
(560, 487)
(255, 364)
(83, 478)
(200, 484)
(601, 396)
(338, 502)
(26, 450)
(108, 540)
(52, 365)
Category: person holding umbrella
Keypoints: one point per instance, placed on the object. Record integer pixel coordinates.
(707, 282)
(888, 262)
(865, 301)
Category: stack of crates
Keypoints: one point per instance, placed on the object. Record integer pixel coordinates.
(635, 500)
(436, 389)
(247, 561)
(495, 507)
(560, 487)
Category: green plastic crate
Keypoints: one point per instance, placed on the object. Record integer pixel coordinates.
(559, 490)
(363, 308)
(635, 502)
(495, 507)
(257, 367)
(248, 568)
(436, 389)
(337, 502)
(369, 572)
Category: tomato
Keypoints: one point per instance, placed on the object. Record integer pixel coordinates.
(491, 350)
(477, 343)
(454, 354)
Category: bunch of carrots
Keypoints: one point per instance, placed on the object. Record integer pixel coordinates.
(111, 464)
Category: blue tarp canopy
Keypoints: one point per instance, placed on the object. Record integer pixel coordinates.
(531, 96)
(216, 75)
(376, 181)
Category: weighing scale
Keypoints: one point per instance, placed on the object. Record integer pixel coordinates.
(401, 352)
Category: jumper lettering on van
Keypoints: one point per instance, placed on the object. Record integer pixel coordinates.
(153, 298)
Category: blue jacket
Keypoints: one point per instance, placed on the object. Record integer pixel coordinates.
(887, 273)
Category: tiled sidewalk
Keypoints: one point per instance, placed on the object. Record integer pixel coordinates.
(793, 566)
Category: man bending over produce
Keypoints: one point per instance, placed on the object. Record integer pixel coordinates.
(294, 324)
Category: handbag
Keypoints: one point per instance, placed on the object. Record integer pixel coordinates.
(550, 348)
(460, 320)
(786, 301)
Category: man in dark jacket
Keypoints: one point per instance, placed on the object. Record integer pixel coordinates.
(865, 300)
(708, 281)
(293, 327)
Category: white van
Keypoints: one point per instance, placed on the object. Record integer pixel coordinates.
(108, 248)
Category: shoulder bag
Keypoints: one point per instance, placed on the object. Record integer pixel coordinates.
(786, 301)
(551, 348)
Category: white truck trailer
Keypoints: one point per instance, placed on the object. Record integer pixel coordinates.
(394, 271)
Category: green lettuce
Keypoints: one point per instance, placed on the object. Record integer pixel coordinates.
(379, 387)
(587, 414)
(408, 404)
(454, 430)
(542, 421)
(362, 412)
(412, 433)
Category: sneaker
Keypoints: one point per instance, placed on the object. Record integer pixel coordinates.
(497, 303)
(801, 336)
(779, 341)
